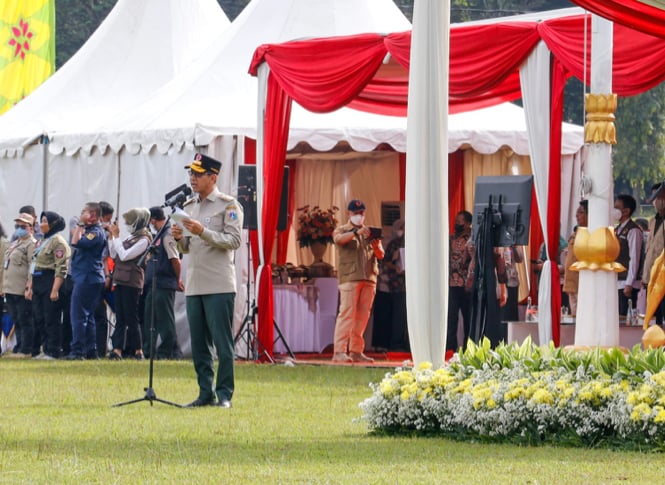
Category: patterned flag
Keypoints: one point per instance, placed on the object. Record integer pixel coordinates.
(27, 47)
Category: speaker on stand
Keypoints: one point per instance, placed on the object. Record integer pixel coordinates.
(247, 198)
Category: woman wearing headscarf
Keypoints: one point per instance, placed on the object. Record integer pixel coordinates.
(15, 283)
(128, 281)
(48, 272)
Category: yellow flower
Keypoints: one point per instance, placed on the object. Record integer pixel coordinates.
(660, 414)
(543, 396)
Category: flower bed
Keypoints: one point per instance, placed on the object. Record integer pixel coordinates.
(529, 395)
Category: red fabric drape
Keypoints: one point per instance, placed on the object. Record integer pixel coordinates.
(632, 74)
(558, 82)
(315, 76)
(535, 241)
(455, 186)
(402, 176)
(631, 13)
(278, 110)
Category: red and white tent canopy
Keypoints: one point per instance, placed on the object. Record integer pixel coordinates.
(485, 62)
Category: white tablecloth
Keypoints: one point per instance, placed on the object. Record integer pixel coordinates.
(296, 311)
(306, 314)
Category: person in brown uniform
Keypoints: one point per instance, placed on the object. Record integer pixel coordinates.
(15, 283)
(49, 271)
(358, 257)
(214, 232)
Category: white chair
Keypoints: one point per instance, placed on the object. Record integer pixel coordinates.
(328, 302)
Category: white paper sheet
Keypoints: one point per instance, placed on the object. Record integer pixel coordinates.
(178, 216)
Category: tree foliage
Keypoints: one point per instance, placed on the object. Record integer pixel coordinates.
(639, 153)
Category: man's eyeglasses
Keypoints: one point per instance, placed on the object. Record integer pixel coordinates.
(20, 226)
(192, 173)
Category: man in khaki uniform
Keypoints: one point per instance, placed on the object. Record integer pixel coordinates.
(655, 239)
(358, 257)
(15, 283)
(214, 230)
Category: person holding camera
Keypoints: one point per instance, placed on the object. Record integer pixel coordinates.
(358, 252)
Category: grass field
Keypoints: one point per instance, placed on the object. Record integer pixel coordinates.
(288, 425)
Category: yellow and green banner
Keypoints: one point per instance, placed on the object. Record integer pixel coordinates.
(27, 47)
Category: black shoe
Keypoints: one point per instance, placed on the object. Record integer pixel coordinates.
(114, 356)
(73, 357)
(138, 357)
(224, 403)
(199, 403)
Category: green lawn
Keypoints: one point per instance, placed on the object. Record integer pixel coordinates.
(288, 425)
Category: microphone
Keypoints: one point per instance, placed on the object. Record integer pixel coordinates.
(177, 196)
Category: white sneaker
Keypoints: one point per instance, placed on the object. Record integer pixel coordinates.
(43, 356)
(341, 357)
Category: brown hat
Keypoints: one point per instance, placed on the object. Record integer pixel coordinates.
(25, 217)
(203, 163)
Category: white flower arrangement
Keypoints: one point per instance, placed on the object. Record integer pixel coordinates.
(529, 395)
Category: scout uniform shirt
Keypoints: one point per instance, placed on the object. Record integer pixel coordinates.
(4, 245)
(211, 266)
(17, 265)
(356, 259)
(53, 254)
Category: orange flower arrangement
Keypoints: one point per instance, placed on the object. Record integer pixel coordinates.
(316, 224)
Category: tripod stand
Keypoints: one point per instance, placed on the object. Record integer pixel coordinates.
(150, 395)
(247, 332)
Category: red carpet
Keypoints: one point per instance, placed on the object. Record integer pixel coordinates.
(381, 359)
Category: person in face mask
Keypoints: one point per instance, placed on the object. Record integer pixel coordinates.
(655, 240)
(630, 252)
(460, 279)
(128, 281)
(15, 284)
(358, 255)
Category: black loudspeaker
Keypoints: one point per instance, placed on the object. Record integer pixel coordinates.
(247, 197)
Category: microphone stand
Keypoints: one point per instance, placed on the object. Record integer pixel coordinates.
(150, 395)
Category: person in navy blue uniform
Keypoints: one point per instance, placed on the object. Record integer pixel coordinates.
(87, 267)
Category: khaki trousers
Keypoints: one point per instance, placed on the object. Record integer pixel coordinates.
(355, 304)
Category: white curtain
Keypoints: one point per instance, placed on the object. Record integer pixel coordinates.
(333, 180)
(427, 182)
(535, 80)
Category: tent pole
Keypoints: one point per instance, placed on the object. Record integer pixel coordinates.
(43, 140)
(117, 195)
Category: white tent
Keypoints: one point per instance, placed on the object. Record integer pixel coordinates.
(138, 48)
